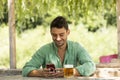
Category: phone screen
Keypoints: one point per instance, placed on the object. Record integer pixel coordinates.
(51, 67)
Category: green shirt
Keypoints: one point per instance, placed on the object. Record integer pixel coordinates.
(75, 54)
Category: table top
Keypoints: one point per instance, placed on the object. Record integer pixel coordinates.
(100, 74)
(19, 77)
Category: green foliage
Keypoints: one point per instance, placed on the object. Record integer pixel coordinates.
(3, 12)
(4, 46)
(30, 13)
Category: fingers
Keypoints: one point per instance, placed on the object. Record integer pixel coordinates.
(59, 70)
(47, 73)
(59, 73)
(51, 70)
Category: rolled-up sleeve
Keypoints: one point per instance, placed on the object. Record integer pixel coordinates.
(33, 64)
(87, 67)
(27, 70)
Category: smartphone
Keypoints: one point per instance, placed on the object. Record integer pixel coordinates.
(51, 67)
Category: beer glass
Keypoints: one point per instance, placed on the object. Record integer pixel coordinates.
(68, 70)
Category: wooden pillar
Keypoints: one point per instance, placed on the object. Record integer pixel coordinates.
(118, 25)
(12, 41)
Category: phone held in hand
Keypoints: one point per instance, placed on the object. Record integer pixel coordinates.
(51, 67)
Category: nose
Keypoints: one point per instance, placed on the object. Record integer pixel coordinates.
(58, 38)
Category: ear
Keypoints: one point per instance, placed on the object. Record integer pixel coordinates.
(68, 31)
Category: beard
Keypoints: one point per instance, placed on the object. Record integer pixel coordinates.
(59, 43)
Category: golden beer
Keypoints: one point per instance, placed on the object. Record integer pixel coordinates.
(68, 71)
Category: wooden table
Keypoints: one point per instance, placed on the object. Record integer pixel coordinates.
(19, 77)
(103, 72)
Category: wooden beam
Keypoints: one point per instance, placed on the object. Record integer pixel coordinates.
(118, 25)
(12, 41)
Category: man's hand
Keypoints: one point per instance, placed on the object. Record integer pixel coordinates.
(76, 73)
(46, 73)
(59, 72)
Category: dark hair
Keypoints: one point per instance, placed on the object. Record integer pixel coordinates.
(59, 22)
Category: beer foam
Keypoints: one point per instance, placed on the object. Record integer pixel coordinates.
(68, 66)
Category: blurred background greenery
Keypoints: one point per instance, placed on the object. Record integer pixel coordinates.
(92, 24)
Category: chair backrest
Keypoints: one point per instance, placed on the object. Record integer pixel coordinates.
(108, 58)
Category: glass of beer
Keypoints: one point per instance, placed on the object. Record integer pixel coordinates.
(68, 70)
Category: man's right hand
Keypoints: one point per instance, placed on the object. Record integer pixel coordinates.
(46, 73)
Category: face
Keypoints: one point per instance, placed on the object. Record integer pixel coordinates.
(59, 36)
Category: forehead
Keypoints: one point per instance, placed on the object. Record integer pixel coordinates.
(58, 30)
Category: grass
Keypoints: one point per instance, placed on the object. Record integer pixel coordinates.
(102, 42)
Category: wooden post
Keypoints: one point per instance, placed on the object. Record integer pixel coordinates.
(118, 25)
(12, 41)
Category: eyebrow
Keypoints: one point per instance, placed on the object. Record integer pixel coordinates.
(60, 33)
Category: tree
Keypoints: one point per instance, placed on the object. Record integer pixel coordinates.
(30, 13)
(12, 35)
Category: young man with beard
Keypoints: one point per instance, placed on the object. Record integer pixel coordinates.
(59, 52)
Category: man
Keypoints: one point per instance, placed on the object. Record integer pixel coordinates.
(59, 52)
